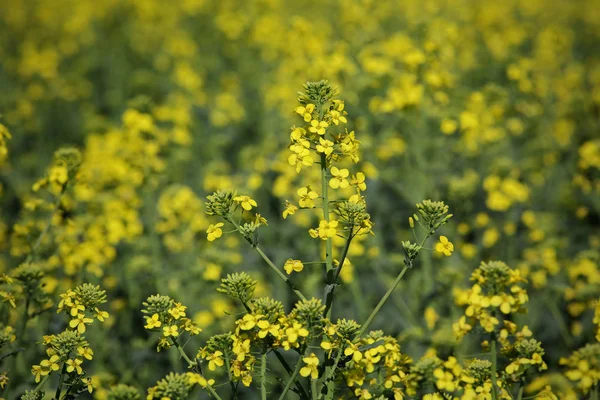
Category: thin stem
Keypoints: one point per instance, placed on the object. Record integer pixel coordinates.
(231, 384)
(42, 383)
(191, 363)
(313, 388)
(291, 380)
(195, 367)
(520, 394)
(290, 372)
(23, 325)
(272, 265)
(562, 326)
(263, 379)
(279, 273)
(332, 278)
(60, 381)
(494, 367)
(329, 376)
(385, 297)
(329, 241)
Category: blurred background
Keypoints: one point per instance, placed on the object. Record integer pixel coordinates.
(492, 107)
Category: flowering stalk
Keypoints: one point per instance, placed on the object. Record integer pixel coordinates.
(263, 378)
(332, 278)
(271, 264)
(292, 379)
(494, 367)
(329, 241)
(383, 300)
(194, 365)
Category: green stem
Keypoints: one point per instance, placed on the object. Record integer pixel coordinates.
(332, 278)
(195, 367)
(325, 190)
(313, 389)
(562, 326)
(263, 379)
(60, 381)
(520, 394)
(279, 273)
(329, 376)
(272, 265)
(291, 380)
(23, 325)
(494, 368)
(290, 372)
(383, 300)
(42, 383)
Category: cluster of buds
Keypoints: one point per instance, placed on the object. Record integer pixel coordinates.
(177, 386)
(353, 215)
(68, 350)
(220, 203)
(123, 392)
(81, 304)
(320, 110)
(64, 169)
(583, 367)
(495, 293)
(238, 285)
(433, 214)
(165, 315)
(29, 276)
(526, 354)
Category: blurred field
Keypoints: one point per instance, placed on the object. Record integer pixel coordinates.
(493, 107)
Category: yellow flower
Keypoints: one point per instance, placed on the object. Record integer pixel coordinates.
(290, 209)
(88, 383)
(444, 246)
(448, 126)
(170, 331)
(101, 315)
(38, 372)
(80, 322)
(325, 146)
(325, 230)
(200, 380)
(301, 158)
(247, 322)
(51, 364)
(214, 231)
(293, 265)
(318, 127)
(358, 180)
(306, 111)
(215, 360)
(246, 202)
(337, 117)
(85, 352)
(307, 197)
(152, 322)
(75, 365)
(312, 362)
(178, 311)
(338, 179)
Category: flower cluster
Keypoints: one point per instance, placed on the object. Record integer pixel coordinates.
(167, 316)
(495, 292)
(68, 350)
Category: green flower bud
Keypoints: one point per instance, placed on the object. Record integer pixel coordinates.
(220, 203)
(238, 285)
(123, 392)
